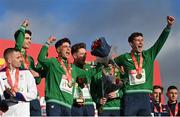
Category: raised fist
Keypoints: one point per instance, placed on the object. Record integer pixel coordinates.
(170, 20)
(51, 39)
(25, 23)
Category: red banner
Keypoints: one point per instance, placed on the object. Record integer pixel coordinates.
(34, 51)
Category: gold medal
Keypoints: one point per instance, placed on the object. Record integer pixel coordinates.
(138, 67)
(139, 76)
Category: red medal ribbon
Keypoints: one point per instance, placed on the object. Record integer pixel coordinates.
(176, 110)
(26, 61)
(138, 67)
(155, 109)
(68, 70)
(9, 79)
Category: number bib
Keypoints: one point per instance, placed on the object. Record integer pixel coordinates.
(133, 80)
(64, 85)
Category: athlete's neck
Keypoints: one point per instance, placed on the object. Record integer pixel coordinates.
(23, 51)
(137, 52)
(10, 67)
(62, 58)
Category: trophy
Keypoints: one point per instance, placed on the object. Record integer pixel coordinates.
(79, 100)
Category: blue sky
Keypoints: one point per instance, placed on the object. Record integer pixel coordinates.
(85, 20)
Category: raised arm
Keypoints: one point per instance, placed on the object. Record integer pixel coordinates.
(42, 57)
(154, 50)
(20, 35)
(170, 20)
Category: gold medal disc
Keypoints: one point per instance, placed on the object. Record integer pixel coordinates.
(139, 76)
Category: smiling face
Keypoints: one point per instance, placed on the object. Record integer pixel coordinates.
(27, 41)
(64, 50)
(137, 44)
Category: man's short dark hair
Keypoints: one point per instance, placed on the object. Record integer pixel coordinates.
(18, 31)
(158, 87)
(76, 47)
(8, 51)
(171, 87)
(61, 41)
(133, 35)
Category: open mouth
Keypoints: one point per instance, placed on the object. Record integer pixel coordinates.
(140, 46)
(67, 53)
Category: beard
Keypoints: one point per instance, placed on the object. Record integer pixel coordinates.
(80, 62)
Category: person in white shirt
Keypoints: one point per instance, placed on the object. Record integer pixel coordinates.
(17, 86)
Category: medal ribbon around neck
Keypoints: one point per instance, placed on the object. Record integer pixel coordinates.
(26, 61)
(160, 110)
(9, 79)
(138, 67)
(176, 110)
(68, 70)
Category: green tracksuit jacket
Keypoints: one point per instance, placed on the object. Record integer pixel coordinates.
(56, 84)
(86, 89)
(145, 84)
(96, 91)
(19, 43)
